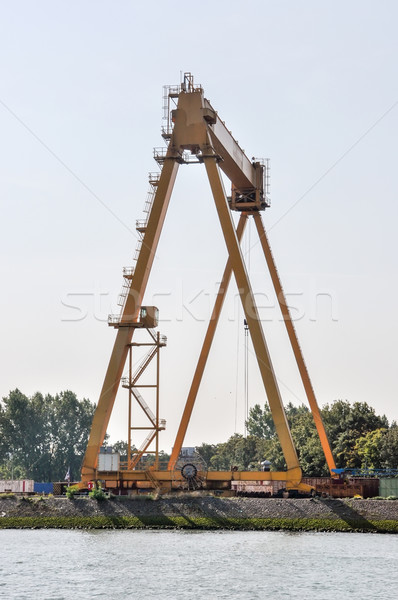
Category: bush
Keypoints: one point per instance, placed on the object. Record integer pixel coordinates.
(71, 491)
(97, 494)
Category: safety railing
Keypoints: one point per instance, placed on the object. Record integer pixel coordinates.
(143, 405)
(128, 272)
(146, 360)
(154, 178)
(159, 154)
(113, 319)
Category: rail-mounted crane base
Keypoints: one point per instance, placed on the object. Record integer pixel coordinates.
(166, 481)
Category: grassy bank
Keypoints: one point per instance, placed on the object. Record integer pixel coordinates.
(204, 523)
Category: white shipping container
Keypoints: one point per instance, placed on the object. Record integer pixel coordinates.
(109, 462)
(267, 487)
(188, 451)
(17, 485)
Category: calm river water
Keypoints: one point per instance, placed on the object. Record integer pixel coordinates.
(58, 565)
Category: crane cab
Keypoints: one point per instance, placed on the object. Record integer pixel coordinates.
(149, 317)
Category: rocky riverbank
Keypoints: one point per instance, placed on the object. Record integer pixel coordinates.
(201, 512)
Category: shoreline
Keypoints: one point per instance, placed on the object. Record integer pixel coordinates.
(201, 512)
(199, 524)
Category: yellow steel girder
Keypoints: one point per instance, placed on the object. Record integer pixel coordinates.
(251, 314)
(198, 128)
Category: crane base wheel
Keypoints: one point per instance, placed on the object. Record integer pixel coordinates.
(190, 473)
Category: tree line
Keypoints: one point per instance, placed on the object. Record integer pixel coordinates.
(359, 438)
(43, 436)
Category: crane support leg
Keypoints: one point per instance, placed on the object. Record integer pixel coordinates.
(309, 390)
(130, 314)
(197, 378)
(252, 316)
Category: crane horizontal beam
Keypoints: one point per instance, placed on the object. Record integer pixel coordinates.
(235, 164)
(195, 121)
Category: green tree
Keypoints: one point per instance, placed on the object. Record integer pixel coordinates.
(389, 448)
(163, 459)
(345, 424)
(9, 470)
(70, 422)
(237, 452)
(206, 452)
(23, 427)
(270, 449)
(260, 422)
(121, 447)
(305, 437)
(307, 442)
(44, 435)
(368, 448)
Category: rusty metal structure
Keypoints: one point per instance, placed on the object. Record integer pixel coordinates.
(194, 132)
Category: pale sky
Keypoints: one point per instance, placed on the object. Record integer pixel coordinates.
(313, 86)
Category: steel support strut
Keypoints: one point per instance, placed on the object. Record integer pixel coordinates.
(200, 367)
(130, 315)
(309, 390)
(252, 316)
(198, 129)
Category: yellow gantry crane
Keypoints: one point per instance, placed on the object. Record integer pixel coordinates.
(195, 133)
